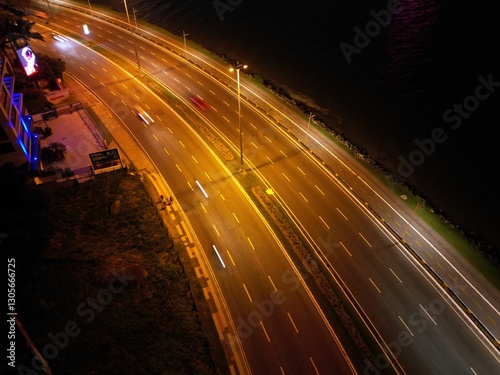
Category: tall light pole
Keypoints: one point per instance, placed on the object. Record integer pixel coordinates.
(135, 20)
(132, 34)
(308, 123)
(90, 8)
(238, 67)
(184, 35)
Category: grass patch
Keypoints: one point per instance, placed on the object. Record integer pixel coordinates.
(451, 233)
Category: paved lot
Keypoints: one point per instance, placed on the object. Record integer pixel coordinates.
(76, 130)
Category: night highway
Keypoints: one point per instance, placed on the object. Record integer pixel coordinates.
(350, 219)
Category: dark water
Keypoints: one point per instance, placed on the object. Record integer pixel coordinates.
(393, 92)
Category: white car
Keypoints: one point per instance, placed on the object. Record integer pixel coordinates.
(143, 115)
(59, 38)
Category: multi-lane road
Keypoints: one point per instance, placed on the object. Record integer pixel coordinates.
(342, 211)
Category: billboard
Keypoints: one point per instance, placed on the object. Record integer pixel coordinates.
(28, 60)
(105, 160)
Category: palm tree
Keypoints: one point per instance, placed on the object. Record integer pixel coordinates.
(15, 30)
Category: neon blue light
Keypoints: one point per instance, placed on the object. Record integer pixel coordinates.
(24, 126)
(24, 148)
(34, 152)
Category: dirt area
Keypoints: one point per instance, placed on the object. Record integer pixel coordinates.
(101, 286)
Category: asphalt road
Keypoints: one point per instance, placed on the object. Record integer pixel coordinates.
(272, 309)
(338, 208)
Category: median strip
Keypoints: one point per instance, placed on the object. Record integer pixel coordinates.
(312, 267)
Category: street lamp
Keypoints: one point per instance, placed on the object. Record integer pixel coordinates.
(308, 123)
(135, 20)
(238, 67)
(90, 8)
(184, 35)
(132, 34)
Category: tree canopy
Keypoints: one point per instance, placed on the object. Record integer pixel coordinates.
(50, 68)
(14, 27)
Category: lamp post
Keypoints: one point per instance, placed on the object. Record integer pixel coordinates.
(238, 67)
(184, 35)
(135, 20)
(90, 8)
(308, 123)
(132, 34)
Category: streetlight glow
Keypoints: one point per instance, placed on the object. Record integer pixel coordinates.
(238, 67)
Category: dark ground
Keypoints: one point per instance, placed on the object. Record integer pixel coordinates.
(114, 283)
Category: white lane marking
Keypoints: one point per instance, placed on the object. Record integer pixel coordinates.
(409, 330)
(251, 244)
(394, 273)
(274, 286)
(430, 317)
(345, 217)
(324, 222)
(262, 325)
(293, 323)
(230, 257)
(246, 290)
(365, 239)
(345, 248)
(319, 189)
(376, 287)
(314, 365)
